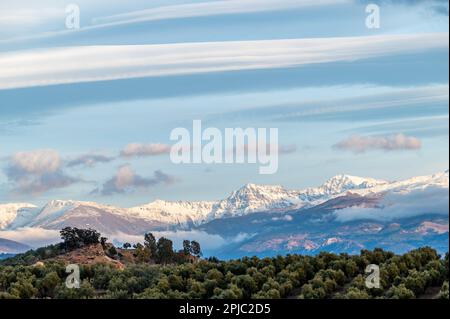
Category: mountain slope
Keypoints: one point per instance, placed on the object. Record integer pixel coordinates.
(105, 219)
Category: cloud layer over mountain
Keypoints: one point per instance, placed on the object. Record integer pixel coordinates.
(431, 200)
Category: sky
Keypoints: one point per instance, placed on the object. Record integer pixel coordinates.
(86, 113)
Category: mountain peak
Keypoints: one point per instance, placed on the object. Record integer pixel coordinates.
(256, 188)
(253, 192)
(341, 183)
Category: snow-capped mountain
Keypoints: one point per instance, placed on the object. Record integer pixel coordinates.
(181, 213)
(249, 199)
(253, 198)
(58, 210)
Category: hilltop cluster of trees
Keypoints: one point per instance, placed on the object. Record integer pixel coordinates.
(162, 251)
(326, 275)
(74, 238)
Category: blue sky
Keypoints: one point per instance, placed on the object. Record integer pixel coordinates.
(72, 100)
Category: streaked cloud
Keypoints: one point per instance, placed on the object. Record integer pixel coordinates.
(142, 150)
(421, 127)
(101, 63)
(437, 6)
(27, 17)
(361, 144)
(365, 103)
(126, 181)
(211, 8)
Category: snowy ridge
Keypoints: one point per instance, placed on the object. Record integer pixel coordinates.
(439, 180)
(249, 199)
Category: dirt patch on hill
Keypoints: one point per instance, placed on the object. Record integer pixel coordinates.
(89, 255)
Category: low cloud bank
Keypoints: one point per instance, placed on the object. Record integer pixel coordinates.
(432, 200)
(207, 241)
(33, 237)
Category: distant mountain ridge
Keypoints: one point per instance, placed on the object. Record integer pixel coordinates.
(249, 199)
(12, 247)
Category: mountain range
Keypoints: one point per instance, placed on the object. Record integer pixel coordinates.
(345, 214)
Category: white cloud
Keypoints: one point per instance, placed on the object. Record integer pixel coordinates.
(37, 162)
(37, 171)
(99, 63)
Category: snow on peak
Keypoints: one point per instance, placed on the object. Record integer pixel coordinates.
(251, 192)
(9, 212)
(252, 198)
(342, 183)
(60, 209)
(415, 183)
(180, 213)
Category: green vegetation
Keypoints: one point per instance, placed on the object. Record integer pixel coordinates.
(154, 270)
